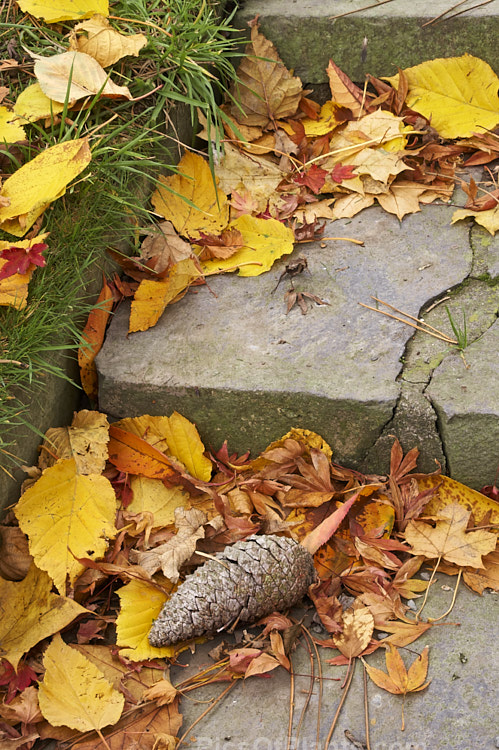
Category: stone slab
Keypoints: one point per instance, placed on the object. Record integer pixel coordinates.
(230, 359)
(308, 33)
(458, 710)
(466, 400)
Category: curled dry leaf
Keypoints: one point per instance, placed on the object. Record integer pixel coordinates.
(97, 38)
(358, 626)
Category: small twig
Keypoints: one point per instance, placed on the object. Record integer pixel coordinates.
(346, 239)
(411, 317)
(438, 302)
(419, 328)
(359, 10)
(189, 729)
(444, 13)
(472, 7)
(232, 268)
(343, 698)
(366, 710)
(14, 362)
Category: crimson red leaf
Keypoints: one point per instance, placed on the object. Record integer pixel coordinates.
(19, 259)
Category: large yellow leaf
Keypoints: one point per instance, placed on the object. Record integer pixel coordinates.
(251, 174)
(74, 692)
(85, 441)
(151, 496)
(32, 104)
(54, 11)
(457, 94)
(265, 241)
(67, 515)
(39, 182)
(175, 436)
(30, 613)
(152, 297)
(450, 491)
(141, 603)
(103, 43)
(10, 128)
(207, 210)
(75, 75)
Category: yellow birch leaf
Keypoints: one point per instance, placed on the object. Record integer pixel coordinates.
(54, 11)
(208, 208)
(152, 297)
(11, 130)
(74, 692)
(239, 172)
(449, 540)
(32, 104)
(85, 440)
(141, 603)
(67, 515)
(103, 43)
(36, 184)
(451, 491)
(489, 219)
(457, 94)
(185, 444)
(30, 613)
(265, 241)
(73, 76)
(151, 496)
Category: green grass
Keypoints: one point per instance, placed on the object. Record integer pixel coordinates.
(460, 331)
(188, 60)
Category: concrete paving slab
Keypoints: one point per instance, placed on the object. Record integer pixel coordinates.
(308, 33)
(230, 359)
(458, 711)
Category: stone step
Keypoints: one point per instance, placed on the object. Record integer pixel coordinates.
(229, 358)
(399, 33)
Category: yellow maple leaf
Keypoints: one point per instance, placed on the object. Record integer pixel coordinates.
(489, 219)
(152, 297)
(449, 540)
(54, 11)
(30, 613)
(402, 198)
(151, 496)
(265, 241)
(457, 94)
(450, 491)
(33, 187)
(141, 603)
(175, 436)
(67, 515)
(32, 104)
(399, 680)
(11, 130)
(205, 209)
(103, 43)
(74, 692)
(75, 75)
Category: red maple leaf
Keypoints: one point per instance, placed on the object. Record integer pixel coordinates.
(16, 683)
(314, 178)
(19, 259)
(340, 172)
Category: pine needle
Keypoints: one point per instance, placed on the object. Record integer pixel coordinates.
(421, 326)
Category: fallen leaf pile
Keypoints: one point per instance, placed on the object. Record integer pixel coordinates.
(114, 516)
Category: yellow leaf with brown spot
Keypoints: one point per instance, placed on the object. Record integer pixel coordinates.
(74, 692)
(11, 129)
(35, 185)
(54, 11)
(450, 491)
(265, 241)
(152, 297)
(449, 540)
(151, 496)
(97, 38)
(358, 626)
(457, 94)
(30, 613)
(85, 441)
(191, 200)
(67, 515)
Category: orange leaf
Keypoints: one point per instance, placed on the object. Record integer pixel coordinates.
(93, 336)
(130, 453)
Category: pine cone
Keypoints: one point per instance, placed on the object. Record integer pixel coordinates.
(245, 581)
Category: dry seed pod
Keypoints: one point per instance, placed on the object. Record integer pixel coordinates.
(245, 581)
